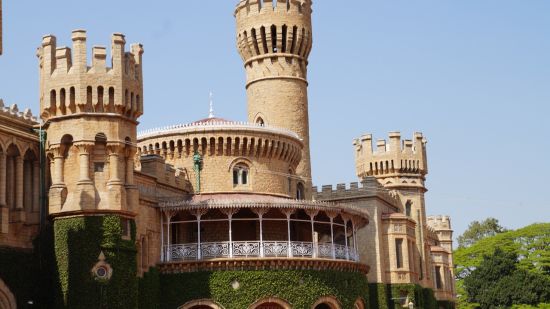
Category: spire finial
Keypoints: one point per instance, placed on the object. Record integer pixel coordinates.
(211, 113)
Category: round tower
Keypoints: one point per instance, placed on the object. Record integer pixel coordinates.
(90, 115)
(274, 39)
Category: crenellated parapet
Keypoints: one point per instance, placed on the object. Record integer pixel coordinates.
(274, 38)
(441, 225)
(69, 85)
(13, 112)
(368, 187)
(403, 160)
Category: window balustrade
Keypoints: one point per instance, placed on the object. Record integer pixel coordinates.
(257, 249)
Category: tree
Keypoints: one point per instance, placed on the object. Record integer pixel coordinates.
(498, 282)
(479, 230)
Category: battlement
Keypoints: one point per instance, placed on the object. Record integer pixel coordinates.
(367, 187)
(396, 157)
(13, 112)
(439, 223)
(69, 85)
(251, 7)
(274, 28)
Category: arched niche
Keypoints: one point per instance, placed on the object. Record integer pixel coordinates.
(270, 303)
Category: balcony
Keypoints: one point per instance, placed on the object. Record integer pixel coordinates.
(253, 233)
(258, 249)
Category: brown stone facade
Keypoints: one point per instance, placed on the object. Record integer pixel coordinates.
(217, 194)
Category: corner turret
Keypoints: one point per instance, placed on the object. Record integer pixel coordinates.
(90, 115)
(395, 164)
(68, 86)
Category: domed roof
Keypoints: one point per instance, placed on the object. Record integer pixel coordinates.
(210, 120)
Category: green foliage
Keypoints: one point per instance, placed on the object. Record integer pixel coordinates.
(530, 243)
(78, 243)
(479, 230)
(385, 296)
(299, 287)
(497, 282)
(149, 290)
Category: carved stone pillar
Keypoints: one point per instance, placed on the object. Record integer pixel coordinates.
(4, 210)
(130, 155)
(114, 151)
(19, 182)
(84, 151)
(3, 179)
(19, 214)
(58, 163)
(58, 190)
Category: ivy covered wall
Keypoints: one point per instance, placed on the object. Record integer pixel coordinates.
(78, 242)
(385, 296)
(240, 289)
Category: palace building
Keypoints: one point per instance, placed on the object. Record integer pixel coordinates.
(210, 214)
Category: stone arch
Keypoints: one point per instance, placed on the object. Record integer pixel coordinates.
(327, 302)
(201, 304)
(260, 119)
(7, 300)
(359, 304)
(240, 160)
(270, 302)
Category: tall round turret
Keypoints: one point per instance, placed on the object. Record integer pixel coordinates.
(274, 39)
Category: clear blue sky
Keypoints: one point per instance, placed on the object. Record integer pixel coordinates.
(473, 76)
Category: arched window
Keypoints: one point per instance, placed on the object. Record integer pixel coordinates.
(408, 206)
(260, 121)
(300, 192)
(240, 175)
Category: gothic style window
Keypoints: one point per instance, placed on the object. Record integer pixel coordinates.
(240, 175)
(300, 192)
(399, 252)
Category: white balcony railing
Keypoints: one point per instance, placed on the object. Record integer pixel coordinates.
(257, 249)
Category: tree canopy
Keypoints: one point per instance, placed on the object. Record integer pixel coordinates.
(531, 248)
(498, 282)
(479, 230)
(530, 244)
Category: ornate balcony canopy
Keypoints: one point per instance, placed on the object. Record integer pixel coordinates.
(214, 228)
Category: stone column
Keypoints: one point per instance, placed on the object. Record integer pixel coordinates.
(114, 167)
(3, 184)
(58, 162)
(84, 150)
(19, 183)
(4, 211)
(27, 187)
(130, 154)
(10, 183)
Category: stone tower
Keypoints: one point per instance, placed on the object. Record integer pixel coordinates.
(90, 115)
(274, 38)
(400, 166)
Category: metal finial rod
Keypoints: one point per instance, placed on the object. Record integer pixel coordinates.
(211, 113)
